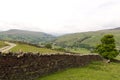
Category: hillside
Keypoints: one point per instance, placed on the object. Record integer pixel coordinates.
(29, 48)
(86, 39)
(25, 36)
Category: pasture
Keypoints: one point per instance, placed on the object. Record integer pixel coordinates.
(93, 71)
(29, 48)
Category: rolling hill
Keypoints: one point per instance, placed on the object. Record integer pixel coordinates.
(25, 36)
(29, 48)
(86, 40)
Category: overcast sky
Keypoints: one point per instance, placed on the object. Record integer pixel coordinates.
(59, 16)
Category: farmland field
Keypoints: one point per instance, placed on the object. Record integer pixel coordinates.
(28, 48)
(94, 71)
(80, 51)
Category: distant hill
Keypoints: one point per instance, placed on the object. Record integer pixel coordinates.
(87, 39)
(25, 36)
(118, 28)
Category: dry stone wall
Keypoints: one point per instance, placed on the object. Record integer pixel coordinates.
(31, 66)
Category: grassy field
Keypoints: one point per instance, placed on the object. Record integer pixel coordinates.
(80, 51)
(2, 44)
(94, 71)
(28, 48)
(75, 50)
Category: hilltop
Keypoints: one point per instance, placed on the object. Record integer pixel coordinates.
(25, 36)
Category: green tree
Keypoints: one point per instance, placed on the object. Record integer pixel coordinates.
(107, 48)
(49, 46)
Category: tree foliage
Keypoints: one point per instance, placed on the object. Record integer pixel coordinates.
(49, 46)
(107, 48)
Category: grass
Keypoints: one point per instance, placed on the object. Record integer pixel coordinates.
(75, 50)
(28, 48)
(2, 44)
(118, 57)
(94, 71)
(80, 51)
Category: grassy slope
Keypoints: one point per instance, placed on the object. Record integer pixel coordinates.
(94, 71)
(89, 38)
(28, 48)
(80, 51)
(2, 44)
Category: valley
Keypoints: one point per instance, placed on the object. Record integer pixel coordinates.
(85, 41)
(59, 39)
(77, 44)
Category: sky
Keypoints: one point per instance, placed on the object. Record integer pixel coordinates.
(59, 16)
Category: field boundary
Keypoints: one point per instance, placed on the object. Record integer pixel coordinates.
(28, 66)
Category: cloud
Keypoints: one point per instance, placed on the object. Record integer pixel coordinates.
(109, 3)
(59, 16)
